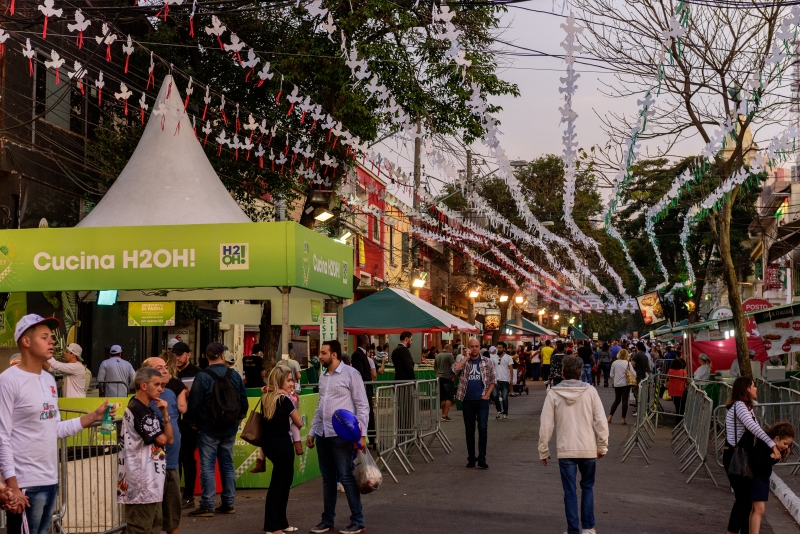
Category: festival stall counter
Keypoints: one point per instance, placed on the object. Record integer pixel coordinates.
(306, 467)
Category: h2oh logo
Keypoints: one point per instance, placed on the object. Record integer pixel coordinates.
(234, 256)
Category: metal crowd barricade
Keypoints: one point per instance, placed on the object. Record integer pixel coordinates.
(695, 431)
(385, 410)
(87, 492)
(429, 416)
(643, 432)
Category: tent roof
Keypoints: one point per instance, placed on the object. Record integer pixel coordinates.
(533, 328)
(577, 334)
(392, 310)
(168, 179)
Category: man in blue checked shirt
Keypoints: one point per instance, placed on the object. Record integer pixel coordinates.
(340, 387)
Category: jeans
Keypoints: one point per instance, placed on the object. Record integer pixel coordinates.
(605, 368)
(187, 460)
(545, 371)
(500, 393)
(336, 459)
(537, 368)
(40, 513)
(569, 468)
(476, 410)
(215, 449)
(586, 375)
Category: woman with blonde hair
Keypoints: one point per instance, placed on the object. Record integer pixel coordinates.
(278, 411)
(619, 380)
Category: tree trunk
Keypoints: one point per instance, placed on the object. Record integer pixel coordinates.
(269, 336)
(503, 318)
(721, 227)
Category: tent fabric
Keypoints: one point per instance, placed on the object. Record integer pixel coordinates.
(392, 310)
(577, 334)
(168, 179)
(531, 327)
(723, 352)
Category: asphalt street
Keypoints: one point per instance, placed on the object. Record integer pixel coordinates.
(517, 493)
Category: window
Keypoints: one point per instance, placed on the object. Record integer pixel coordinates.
(54, 101)
(391, 246)
(405, 251)
(376, 229)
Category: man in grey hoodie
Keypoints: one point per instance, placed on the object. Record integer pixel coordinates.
(574, 407)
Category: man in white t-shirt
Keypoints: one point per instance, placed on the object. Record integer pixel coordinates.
(73, 370)
(30, 427)
(503, 365)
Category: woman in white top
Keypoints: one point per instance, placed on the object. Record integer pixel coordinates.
(739, 418)
(703, 372)
(619, 381)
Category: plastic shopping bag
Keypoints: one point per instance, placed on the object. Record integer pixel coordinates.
(368, 476)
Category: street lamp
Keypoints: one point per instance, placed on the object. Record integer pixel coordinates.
(503, 298)
(519, 299)
(419, 279)
(518, 163)
(547, 223)
(345, 236)
(542, 312)
(572, 320)
(322, 215)
(556, 317)
(473, 293)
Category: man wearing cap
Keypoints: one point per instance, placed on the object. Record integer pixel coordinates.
(186, 373)
(118, 371)
(253, 366)
(30, 427)
(215, 441)
(73, 370)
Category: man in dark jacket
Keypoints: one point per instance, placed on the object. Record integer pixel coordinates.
(361, 363)
(402, 359)
(215, 442)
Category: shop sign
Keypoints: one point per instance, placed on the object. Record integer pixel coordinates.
(151, 313)
(327, 327)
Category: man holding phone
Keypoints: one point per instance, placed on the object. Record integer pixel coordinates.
(477, 379)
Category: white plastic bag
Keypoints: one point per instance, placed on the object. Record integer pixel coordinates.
(368, 476)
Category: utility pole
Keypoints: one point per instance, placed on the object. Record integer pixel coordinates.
(417, 184)
(470, 265)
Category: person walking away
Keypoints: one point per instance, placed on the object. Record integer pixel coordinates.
(503, 366)
(703, 373)
(476, 381)
(555, 364)
(73, 370)
(585, 354)
(142, 461)
(115, 376)
(614, 349)
(30, 427)
(279, 411)
(253, 367)
(340, 387)
(641, 364)
(619, 380)
(604, 363)
(186, 373)
(740, 419)
(361, 363)
(174, 393)
(575, 411)
(536, 363)
(547, 353)
(443, 364)
(217, 405)
(762, 461)
(677, 385)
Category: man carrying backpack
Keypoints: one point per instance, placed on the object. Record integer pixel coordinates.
(217, 404)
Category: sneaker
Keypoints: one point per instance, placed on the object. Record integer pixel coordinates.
(588, 531)
(339, 487)
(224, 509)
(187, 503)
(322, 527)
(470, 465)
(505, 416)
(260, 467)
(201, 512)
(446, 419)
(498, 415)
(634, 413)
(483, 465)
(353, 528)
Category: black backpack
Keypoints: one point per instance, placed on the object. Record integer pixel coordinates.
(225, 403)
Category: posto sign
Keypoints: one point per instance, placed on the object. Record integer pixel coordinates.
(751, 305)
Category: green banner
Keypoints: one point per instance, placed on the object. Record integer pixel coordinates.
(151, 313)
(174, 257)
(16, 308)
(316, 309)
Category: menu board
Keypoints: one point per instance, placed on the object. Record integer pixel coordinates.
(651, 309)
(779, 330)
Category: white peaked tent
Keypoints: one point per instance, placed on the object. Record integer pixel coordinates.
(168, 179)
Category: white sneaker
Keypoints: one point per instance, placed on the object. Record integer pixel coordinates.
(590, 531)
(340, 487)
(505, 416)
(498, 415)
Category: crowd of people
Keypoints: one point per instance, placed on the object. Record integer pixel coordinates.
(178, 408)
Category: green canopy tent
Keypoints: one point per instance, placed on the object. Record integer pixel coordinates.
(529, 327)
(577, 334)
(392, 310)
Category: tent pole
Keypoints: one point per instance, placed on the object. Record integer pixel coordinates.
(340, 320)
(285, 332)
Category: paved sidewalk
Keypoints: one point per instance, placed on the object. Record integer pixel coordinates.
(517, 493)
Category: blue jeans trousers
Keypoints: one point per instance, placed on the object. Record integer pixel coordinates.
(586, 375)
(40, 512)
(569, 470)
(476, 411)
(215, 449)
(500, 394)
(335, 457)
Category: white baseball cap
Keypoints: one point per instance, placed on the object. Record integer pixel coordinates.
(33, 320)
(172, 342)
(75, 349)
(115, 349)
(230, 357)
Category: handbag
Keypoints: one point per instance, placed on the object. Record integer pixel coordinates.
(740, 461)
(630, 377)
(251, 432)
(666, 396)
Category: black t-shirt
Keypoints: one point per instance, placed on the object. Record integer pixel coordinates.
(176, 386)
(145, 421)
(585, 354)
(556, 364)
(278, 426)
(640, 364)
(253, 366)
(190, 371)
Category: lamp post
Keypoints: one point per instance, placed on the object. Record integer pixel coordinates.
(541, 314)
